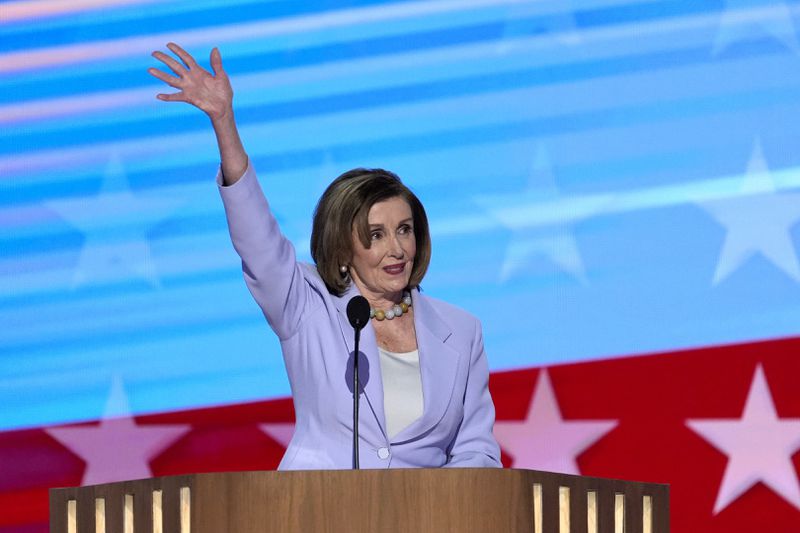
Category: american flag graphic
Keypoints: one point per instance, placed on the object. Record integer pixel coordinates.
(613, 188)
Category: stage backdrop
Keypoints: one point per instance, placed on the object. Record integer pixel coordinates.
(613, 188)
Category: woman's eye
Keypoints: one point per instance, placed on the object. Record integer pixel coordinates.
(375, 235)
(405, 229)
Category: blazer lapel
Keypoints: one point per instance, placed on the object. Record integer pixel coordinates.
(438, 365)
(437, 360)
(368, 346)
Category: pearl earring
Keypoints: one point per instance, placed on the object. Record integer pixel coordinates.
(343, 270)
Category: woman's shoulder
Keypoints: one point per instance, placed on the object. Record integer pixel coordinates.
(312, 277)
(450, 313)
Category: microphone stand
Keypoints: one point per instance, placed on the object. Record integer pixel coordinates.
(355, 400)
(358, 316)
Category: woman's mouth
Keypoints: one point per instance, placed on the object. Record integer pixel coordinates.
(395, 269)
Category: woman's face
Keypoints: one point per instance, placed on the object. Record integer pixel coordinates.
(383, 269)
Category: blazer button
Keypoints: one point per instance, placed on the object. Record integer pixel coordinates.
(383, 453)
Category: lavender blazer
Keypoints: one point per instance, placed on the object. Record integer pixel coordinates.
(455, 428)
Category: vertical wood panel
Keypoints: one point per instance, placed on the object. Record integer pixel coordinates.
(85, 507)
(185, 509)
(537, 508)
(115, 508)
(550, 505)
(592, 513)
(72, 516)
(633, 508)
(605, 509)
(660, 509)
(142, 491)
(619, 512)
(100, 515)
(58, 510)
(564, 510)
(171, 509)
(128, 523)
(578, 512)
(647, 514)
(158, 511)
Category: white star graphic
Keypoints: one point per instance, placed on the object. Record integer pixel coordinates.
(117, 449)
(741, 17)
(758, 220)
(544, 440)
(541, 219)
(759, 446)
(115, 223)
(280, 432)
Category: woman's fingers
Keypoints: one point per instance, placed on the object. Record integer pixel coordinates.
(173, 97)
(212, 94)
(183, 54)
(176, 67)
(172, 81)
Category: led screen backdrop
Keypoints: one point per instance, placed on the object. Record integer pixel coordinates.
(604, 179)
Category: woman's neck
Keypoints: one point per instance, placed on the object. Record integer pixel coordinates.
(380, 300)
(385, 301)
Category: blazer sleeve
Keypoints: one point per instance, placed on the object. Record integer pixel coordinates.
(269, 264)
(474, 444)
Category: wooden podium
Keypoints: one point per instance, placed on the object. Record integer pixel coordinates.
(414, 500)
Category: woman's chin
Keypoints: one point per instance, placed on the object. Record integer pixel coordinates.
(395, 286)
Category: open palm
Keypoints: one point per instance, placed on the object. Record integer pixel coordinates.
(212, 93)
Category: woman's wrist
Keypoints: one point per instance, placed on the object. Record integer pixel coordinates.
(223, 118)
(231, 152)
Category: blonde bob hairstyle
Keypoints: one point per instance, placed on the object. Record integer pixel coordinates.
(344, 206)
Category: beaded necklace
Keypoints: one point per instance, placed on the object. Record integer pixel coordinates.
(396, 310)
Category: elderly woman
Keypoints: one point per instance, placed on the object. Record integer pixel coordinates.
(423, 367)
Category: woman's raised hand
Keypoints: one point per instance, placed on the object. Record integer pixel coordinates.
(212, 93)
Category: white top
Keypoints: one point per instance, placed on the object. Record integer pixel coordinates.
(402, 389)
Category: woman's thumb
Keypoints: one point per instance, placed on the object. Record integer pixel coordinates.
(216, 61)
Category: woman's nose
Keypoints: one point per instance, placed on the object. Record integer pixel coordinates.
(394, 247)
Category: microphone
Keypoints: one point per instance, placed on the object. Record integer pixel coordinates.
(358, 312)
(358, 315)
